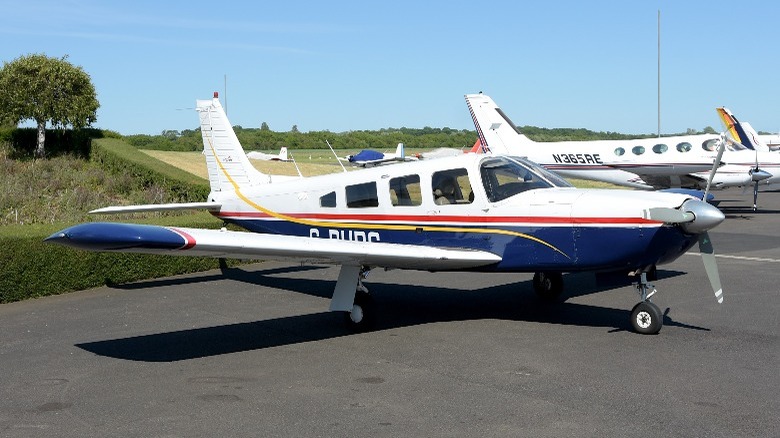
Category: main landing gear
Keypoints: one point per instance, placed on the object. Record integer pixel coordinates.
(362, 316)
(548, 285)
(351, 297)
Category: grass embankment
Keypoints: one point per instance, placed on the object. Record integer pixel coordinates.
(61, 190)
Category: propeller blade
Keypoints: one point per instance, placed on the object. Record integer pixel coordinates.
(715, 164)
(668, 215)
(710, 265)
(755, 196)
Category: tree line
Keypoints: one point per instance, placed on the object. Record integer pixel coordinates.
(383, 139)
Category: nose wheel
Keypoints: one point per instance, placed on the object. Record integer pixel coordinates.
(646, 317)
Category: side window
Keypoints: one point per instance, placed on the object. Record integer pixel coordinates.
(710, 145)
(405, 190)
(328, 200)
(362, 195)
(684, 146)
(452, 187)
(619, 151)
(503, 178)
(638, 150)
(660, 148)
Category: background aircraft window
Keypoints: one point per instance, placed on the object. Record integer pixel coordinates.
(638, 150)
(328, 200)
(619, 151)
(362, 195)
(710, 145)
(660, 148)
(684, 146)
(452, 187)
(405, 190)
(503, 178)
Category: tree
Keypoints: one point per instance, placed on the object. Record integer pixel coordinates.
(264, 127)
(294, 129)
(47, 90)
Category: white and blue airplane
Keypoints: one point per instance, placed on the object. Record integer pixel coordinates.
(370, 157)
(471, 212)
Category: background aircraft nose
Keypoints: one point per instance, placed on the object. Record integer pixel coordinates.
(707, 216)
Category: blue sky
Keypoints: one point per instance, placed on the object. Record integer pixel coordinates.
(350, 65)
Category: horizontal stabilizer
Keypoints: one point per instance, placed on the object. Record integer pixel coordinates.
(211, 206)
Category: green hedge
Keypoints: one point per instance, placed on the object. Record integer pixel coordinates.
(117, 155)
(31, 268)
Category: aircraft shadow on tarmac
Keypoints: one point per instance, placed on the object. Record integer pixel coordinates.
(397, 306)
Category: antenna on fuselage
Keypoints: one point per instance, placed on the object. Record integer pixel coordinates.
(337, 157)
(292, 157)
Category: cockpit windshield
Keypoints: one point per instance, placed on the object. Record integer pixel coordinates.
(504, 176)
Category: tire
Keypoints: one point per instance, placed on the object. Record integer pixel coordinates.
(646, 318)
(362, 316)
(548, 285)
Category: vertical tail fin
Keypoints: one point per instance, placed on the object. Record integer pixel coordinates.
(741, 131)
(497, 134)
(228, 166)
(283, 154)
(399, 151)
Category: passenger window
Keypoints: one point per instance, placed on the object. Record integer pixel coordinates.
(362, 195)
(452, 187)
(638, 150)
(684, 146)
(405, 190)
(619, 151)
(660, 148)
(328, 200)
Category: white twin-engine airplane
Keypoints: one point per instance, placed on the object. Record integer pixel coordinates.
(472, 212)
(648, 163)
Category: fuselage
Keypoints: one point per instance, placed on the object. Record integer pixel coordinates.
(503, 205)
(683, 161)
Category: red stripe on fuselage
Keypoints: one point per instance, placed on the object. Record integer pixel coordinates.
(415, 219)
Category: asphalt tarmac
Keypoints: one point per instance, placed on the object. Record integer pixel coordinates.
(255, 353)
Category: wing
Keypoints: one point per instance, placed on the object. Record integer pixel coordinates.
(152, 239)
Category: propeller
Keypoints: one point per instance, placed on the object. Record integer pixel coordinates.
(695, 217)
(716, 163)
(757, 175)
(710, 265)
(668, 215)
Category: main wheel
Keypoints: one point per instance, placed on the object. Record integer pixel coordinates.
(646, 318)
(362, 316)
(548, 285)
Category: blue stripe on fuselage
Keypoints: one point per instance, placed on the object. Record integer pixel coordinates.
(581, 247)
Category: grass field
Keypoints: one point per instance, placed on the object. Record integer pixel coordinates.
(311, 162)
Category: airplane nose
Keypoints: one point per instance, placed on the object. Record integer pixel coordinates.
(706, 216)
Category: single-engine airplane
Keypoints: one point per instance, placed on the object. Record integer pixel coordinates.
(370, 157)
(473, 212)
(281, 156)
